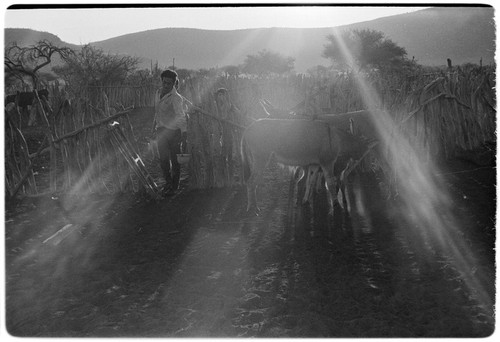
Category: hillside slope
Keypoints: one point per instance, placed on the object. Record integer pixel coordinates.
(464, 34)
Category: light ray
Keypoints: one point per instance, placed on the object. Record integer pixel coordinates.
(425, 204)
(234, 55)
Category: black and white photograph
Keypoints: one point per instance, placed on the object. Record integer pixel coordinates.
(249, 170)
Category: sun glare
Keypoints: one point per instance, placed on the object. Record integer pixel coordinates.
(427, 209)
(233, 55)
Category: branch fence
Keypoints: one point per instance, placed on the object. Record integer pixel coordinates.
(440, 115)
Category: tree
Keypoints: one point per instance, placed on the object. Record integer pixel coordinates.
(91, 66)
(267, 62)
(364, 49)
(22, 62)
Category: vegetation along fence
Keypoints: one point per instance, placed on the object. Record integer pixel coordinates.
(441, 114)
(76, 137)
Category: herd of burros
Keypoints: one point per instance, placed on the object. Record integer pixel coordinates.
(332, 143)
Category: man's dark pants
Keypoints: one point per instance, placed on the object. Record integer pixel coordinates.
(169, 145)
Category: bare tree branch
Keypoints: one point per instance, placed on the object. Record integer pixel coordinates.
(27, 61)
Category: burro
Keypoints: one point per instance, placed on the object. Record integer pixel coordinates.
(297, 143)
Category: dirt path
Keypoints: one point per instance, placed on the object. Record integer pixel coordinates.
(195, 266)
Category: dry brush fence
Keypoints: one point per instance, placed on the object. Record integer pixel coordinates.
(455, 111)
(76, 138)
(122, 96)
(441, 114)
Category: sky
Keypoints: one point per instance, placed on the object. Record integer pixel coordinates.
(85, 25)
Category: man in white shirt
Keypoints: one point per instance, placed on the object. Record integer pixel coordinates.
(170, 124)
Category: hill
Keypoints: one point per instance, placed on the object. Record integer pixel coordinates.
(26, 37)
(464, 34)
